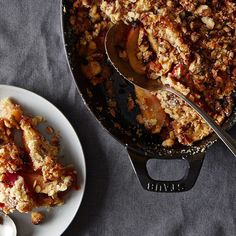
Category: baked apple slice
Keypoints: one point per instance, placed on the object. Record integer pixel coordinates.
(132, 48)
(152, 115)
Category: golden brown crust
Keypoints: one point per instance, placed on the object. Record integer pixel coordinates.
(189, 45)
(30, 175)
(90, 25)
(37, 217)
(10, 160)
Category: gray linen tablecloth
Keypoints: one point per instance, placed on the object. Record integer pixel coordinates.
(32, 57)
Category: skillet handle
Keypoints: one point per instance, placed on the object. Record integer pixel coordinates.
(139, 163)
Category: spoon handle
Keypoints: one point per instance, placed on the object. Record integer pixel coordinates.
(222, 134)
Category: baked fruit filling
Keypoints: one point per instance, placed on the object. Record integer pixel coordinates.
(30, 174)
(188, 45)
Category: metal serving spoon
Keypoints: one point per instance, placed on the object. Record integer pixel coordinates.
(7, 226)
(113, 37)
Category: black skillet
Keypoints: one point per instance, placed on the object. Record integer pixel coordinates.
(140, 145)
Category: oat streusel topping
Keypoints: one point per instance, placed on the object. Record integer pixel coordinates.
(30, 173)
(189, 45)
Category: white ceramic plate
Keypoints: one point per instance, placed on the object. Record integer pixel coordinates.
(57, 218)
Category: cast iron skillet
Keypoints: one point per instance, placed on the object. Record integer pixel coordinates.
(140, 145)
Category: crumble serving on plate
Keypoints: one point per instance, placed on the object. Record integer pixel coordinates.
(30, 174)
(188, 45)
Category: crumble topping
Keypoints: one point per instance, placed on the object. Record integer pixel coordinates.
(188, 45)
(37, 217)
(30, 174)
(14, 195)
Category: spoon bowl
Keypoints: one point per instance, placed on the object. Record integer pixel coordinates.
(113, 38)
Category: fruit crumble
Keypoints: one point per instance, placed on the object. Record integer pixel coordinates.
(30, 173)
(188, 45)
